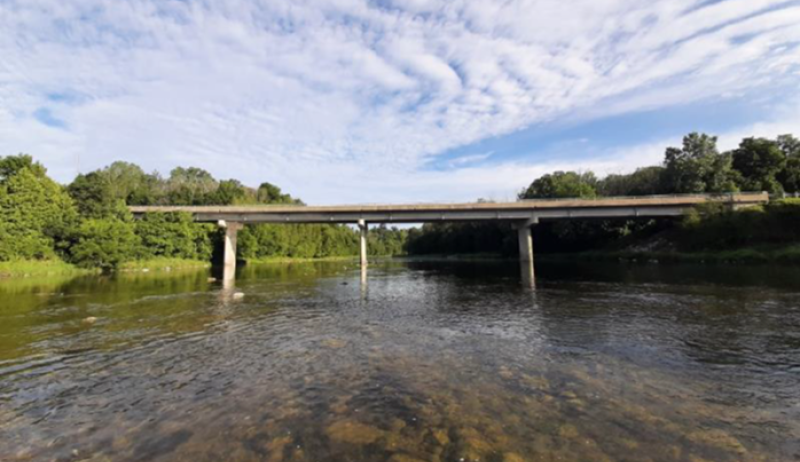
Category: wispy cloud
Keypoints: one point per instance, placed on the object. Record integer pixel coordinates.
(341, 99)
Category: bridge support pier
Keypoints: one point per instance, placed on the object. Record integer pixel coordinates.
(525, 239)
(363, 227)
(229, 250)
(525, 244)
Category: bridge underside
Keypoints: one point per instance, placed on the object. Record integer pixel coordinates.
(523, 214)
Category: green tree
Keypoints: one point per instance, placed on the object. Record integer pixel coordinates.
(11, 165)
(174, 235)
(561, 185)
(229, 192)
(643, 182)
(697, 167)
(35, 211)
(268, 193)
(105, 243)
(190, 186)
(789, 177)
(759, 161)
(97, 193)
(789, 145)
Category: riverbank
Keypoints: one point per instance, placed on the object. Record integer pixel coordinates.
(36, 268)
(42, 268)
(271, 260)
(163, 264)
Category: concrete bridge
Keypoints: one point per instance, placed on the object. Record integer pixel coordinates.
(524, 214)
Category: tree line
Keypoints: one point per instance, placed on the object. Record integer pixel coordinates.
(697, 166)
(87, 221)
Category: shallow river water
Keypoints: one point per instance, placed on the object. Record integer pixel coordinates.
(426, 361)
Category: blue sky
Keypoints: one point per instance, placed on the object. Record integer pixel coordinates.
(349, 101)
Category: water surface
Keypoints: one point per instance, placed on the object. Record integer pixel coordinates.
(435, 361)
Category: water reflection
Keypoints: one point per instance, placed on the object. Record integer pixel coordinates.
(442, 361)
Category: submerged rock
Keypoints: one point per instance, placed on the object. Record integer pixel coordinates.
(512, 457)
(717, 439)
(333, 343)
(352, 432)
(89, 320)
(568, 431)
(238, 295)
(403, 458)
(440, 436)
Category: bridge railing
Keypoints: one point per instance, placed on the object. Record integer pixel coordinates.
(720, 196)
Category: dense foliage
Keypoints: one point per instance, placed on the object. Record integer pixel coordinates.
(87, 222)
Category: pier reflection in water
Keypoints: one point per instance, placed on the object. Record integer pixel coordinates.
(413, 361)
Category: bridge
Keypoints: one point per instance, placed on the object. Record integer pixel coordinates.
(523, 214)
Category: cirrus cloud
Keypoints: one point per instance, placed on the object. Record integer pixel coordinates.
(348, 100)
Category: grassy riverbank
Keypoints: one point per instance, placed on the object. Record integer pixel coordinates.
(36, 268)
(270, 260)
(163, 264)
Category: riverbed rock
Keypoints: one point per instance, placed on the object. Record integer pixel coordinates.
(440, 436)
(718, 439)
(90, 320)
(505, 373)
(333, 343)
(238, 295)
(403, 458)
(568, 431)
(352, 432)
(275, 447)
(512, 457)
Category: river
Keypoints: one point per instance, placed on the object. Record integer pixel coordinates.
(425, 360)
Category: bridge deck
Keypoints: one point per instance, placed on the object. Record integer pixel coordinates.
(651, 206)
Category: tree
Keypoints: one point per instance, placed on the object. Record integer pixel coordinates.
(105, 243)
(560, 185)
(97, 193)
(11, 165)
(759, 161)
(174, 235)
(697, 167)
(268, 193)
(789, 177)
(644, 181)
(789, 145)
(189, 186)
(35, 211)
(228, 192)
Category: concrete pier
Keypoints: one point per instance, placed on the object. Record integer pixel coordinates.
(525, 238)
(525, 243)
(229, 252)
(363, 227)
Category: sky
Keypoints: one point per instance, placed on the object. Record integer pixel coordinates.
(349, 101)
